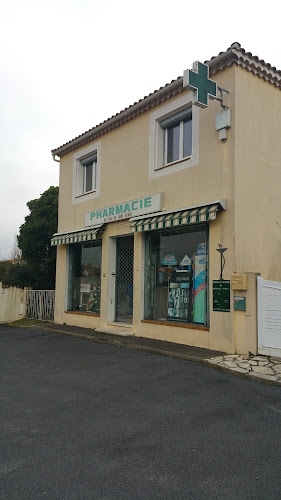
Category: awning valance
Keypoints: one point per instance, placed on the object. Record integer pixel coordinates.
(84, 235)
(161, 220)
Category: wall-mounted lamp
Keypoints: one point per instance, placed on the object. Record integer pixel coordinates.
(221, 251)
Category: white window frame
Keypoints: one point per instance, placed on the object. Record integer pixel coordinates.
(177, 119)
(79, 193)
(86, 162)
(157, 151)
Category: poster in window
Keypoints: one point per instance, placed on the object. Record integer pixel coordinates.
(179, 291)
(199, 284)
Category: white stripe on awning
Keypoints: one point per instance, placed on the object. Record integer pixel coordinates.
(203, 213)
(82, 236)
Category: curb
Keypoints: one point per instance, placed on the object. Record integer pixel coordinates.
(161, 352)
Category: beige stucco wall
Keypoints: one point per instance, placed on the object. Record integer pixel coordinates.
(11, 304)
(257, 176)
(124, 167)
(244, 170)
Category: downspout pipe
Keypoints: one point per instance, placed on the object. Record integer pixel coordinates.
(54, 157)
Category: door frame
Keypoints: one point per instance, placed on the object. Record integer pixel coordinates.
(111, 279)
(118, 238)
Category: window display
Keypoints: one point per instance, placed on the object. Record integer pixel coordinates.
(85, 277)
(176, 274)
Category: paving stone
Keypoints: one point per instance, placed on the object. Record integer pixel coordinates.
(230, 364)
(263, 369)
(277, 368)
(259, 367)
(243, 365)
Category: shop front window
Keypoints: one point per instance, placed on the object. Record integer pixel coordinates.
(176, 273)
(85, 277)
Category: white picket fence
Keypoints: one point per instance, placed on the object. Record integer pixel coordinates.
(40, 304)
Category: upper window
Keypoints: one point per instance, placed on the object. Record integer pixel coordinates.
(177, 137)
(86, 173)
(173, 137)
(89, 166)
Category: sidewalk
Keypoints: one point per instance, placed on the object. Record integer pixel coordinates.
(263, 368)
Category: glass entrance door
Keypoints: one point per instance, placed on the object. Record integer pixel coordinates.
(124, 279)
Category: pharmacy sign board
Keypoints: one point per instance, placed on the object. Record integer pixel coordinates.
(198, 80)
(125, 210)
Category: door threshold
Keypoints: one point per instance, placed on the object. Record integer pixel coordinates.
(121, 325)
(114, 331)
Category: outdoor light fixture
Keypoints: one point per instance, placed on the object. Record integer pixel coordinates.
(221, 251)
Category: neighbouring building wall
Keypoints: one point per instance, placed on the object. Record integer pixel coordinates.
(11, 304)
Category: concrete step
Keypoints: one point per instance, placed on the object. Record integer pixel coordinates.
(115, 331)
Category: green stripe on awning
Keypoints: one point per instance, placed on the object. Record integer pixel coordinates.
(75, 237)
(177, 218)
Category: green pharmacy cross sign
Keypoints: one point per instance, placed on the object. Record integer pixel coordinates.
(198, 81)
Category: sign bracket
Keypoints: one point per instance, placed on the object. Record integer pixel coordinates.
(220, 99)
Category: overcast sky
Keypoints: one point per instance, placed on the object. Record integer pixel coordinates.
(66, 65)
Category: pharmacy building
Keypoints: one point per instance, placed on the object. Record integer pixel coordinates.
(169, 211)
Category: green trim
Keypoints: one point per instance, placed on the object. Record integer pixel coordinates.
(78, 237)
(174, 219)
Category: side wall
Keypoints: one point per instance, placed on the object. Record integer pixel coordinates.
(11, 304)
(257, 176)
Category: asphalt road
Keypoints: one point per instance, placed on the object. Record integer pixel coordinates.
(81, 420)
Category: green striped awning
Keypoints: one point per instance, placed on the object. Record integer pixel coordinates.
(177, 218)
(82, 236)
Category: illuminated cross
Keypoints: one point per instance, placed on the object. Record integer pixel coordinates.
(198, 81)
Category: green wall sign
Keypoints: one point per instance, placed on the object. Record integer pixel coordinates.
(221, 295)
(125, 210)
(198, 81)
